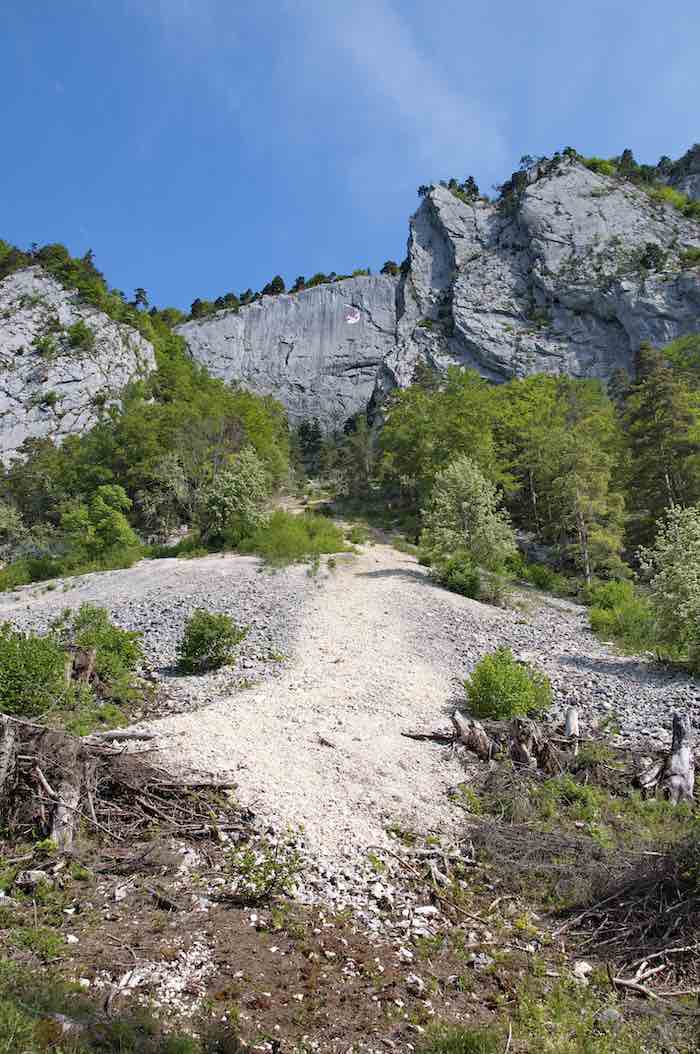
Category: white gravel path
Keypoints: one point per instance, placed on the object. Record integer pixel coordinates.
(355, 682)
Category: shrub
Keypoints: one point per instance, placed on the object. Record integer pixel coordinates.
(358, 534)
(500, 686)
(81, 336)
(673, 564)
(32, 672)
(12, 529)
(209, 642)
(118, 652)
(233, 506)
(463, 514)
(289, 539)
(690, 257)
(458, 574)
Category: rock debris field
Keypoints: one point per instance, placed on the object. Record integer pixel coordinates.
(308, 722)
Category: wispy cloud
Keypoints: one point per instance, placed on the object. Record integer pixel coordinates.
(407, 88)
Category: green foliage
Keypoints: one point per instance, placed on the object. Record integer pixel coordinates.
(463, 515)
(629, 621)
(358, 534)
(44, 942)
(100, 527)
(662, 424)
(12, 529)
(118, 652)
(690, 257)
(263, 870)
(458, 574)
(500, 687)
(233, 505)
(460, 1039)
(80, 336)
(209, 642)
(600, 165)
(32, 673)
(287, 539)
(428, 427)
(673, 565)
(33, 680)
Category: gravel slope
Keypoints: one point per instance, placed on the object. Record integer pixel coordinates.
(373, 648)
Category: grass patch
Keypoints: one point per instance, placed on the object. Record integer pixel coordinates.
(287, 539)
(27, 570)
(457, 1039)
(358, 534)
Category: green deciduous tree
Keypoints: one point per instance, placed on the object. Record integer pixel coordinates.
(673, 565)
(463, 514)
(661, 418)
(234, 504)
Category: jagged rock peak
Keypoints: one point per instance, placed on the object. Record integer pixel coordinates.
(567, 273)
(61, 361)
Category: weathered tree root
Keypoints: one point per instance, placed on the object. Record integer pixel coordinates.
(51, 782)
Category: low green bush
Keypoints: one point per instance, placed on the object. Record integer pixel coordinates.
(118, 652)
(458, 574)
(690, 258)
(33, 680)
(358, 534)
(619, 612)
(209, 642)
(42, 568)
(500, 687)
(287, 539)
(32, 672)
(80, 336)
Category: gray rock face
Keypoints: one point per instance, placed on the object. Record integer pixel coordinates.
(686, 175)
(552, 281)
(317, 351)
(48, 387)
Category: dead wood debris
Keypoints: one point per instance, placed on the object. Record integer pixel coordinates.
(52, 782)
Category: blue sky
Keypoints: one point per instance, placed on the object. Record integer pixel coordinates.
(200, 147)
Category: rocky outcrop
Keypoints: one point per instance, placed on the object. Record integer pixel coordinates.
(568, 273)
(55, 376)
(318, 351)
(685, 174)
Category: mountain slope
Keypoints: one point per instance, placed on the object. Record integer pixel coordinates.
(61, 360)
(567, 273)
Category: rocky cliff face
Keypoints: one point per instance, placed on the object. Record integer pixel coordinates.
(686, 173)
(318, 351)
(56, 377)
(568, 274)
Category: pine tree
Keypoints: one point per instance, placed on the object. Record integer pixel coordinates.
(661, 422)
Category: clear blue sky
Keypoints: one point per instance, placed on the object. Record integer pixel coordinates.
(199, 147)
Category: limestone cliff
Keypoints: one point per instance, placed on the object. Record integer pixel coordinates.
(318, 351)
(568, 273)
(61, 361)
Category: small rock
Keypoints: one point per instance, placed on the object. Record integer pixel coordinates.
(415, 984)
(609, 1018)
(581, 970)
(405, 955)
(29, 880)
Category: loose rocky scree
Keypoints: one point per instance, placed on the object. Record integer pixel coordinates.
(366, 946)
